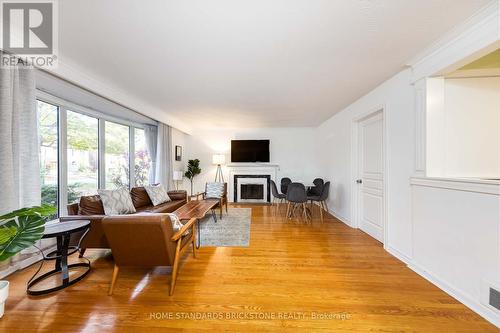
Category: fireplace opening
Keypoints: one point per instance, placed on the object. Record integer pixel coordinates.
(252, 191)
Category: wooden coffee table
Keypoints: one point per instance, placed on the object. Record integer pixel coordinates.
(197, 209)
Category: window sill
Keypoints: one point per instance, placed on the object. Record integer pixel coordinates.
(478, 185)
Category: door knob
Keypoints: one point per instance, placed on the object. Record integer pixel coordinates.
(359, 181)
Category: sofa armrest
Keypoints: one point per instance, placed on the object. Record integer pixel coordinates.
(81, 217)
(185, 227)
(178, 195)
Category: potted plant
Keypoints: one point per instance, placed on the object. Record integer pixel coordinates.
(19, 230)
(193, 169)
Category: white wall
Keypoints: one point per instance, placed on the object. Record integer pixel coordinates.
(396, 96)
(456, 240)
(463, 127)
(180, 138)
(472, 127)
(449, 236)
(291, 148)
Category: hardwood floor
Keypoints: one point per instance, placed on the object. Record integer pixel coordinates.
(317, 276)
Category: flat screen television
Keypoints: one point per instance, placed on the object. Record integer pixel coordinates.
(249, 150)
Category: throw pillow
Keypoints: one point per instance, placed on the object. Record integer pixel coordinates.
(157, 194)
(214, 190)
(116, 202)
(176, 223)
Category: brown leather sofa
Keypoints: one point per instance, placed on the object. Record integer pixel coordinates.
(91, 208)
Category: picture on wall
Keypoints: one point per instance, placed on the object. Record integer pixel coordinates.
(178, 153)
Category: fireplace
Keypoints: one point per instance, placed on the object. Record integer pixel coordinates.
(252, 191)
(252, 188)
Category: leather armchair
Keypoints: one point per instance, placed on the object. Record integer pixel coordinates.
(147, 241)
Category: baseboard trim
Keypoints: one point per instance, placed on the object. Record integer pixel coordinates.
(472, 304)
(340, 217)
(402, 257)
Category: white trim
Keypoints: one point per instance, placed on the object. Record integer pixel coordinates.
(131, 157)
(463, 298)
(62, 161)
(420, 109)
(71, 106)
(341, 218)
(101, 152)
(355, 167)
(472, 39)
(78, 77)
(396, 253)
(460, 184)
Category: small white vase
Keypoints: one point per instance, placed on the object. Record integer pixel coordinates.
(4, 293)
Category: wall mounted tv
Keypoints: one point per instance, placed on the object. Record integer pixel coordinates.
(249, 150)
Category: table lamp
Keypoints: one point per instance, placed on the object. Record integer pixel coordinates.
(178, 175)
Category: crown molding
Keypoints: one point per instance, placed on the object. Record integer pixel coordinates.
(78, 77)
(475, 37)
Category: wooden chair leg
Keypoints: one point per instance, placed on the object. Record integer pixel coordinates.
(226, 206)
(221, 206)
(321, 212)
(326, 206)
(304, 211)
(288, 210)
(193, 242)
(175, 267)
(113, 280)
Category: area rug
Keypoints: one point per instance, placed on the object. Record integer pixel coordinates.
(232, 230)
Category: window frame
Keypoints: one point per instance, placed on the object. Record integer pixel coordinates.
(63, 108)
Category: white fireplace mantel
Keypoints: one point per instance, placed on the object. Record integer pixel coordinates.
(249, 169)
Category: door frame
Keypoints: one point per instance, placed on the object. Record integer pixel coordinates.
(355, 167)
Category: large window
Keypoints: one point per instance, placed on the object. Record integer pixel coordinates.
(117, 155)
(82, 155)
(82, 151)
(49, 156)
(142, 160)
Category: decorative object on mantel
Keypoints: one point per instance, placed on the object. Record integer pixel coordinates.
(19, 230)
(178, 153)
(193, 169)
(177, 177)
(219, 159)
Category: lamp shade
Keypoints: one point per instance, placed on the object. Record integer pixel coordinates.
(178, 175)
(218, 159)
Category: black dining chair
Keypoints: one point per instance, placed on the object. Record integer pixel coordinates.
(317, 188)
(276, 195)
(284, 184)
(321, 199)
(296, 197)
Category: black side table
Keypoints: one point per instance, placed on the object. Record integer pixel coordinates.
(62, 231)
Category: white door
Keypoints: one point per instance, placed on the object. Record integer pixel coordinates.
(370, 180)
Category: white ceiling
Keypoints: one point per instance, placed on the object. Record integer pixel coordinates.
(254, 63)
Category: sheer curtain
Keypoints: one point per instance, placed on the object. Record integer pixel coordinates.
(163, 170)
(151, 134)
(19, 155)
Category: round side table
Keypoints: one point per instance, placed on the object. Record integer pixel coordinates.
(62, 231)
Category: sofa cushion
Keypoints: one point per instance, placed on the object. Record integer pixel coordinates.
(116, 202)
(177, 194)
(90, 205)
(145, 209)
(140, 197)
(168, 207)
(158, 194)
